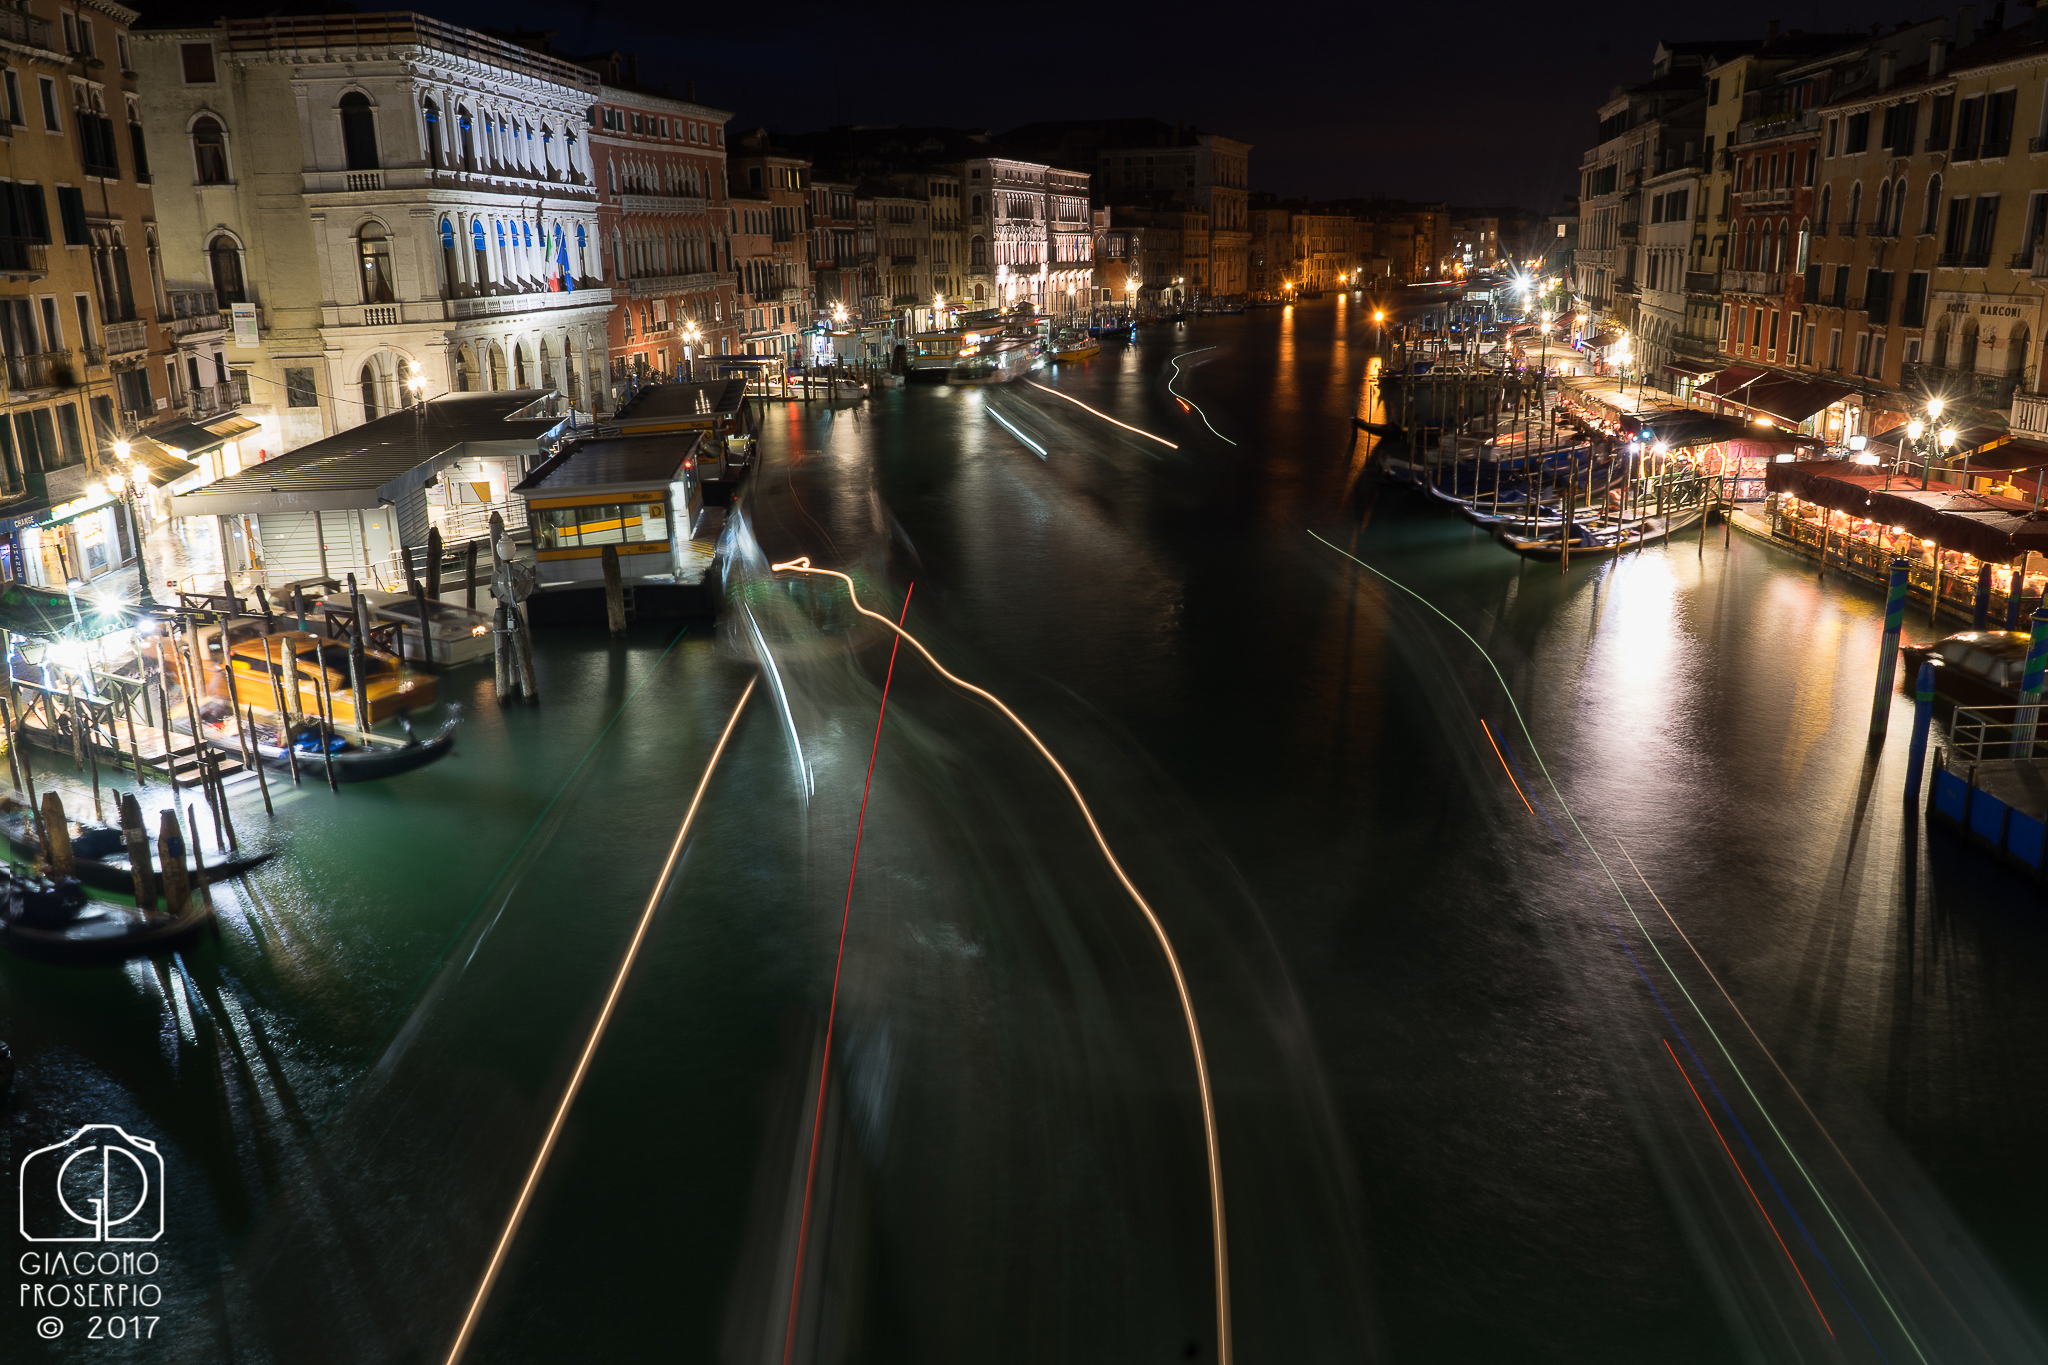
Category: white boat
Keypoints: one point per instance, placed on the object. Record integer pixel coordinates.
(996, 362)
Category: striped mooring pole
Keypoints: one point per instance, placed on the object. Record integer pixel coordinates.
(2030, 687)
(1923, 718)
(1888, 652)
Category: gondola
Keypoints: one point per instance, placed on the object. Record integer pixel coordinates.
(1594, 539)
(99, 857)
(352, 762)
(54, 922)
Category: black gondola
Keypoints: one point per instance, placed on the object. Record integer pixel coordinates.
(352, 762)
(99, 857)
(54, 922)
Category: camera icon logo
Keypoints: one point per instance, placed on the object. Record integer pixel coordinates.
(99, 1185)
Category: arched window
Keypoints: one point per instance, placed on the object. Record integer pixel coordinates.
(468, 135)
(367, 382)
(546, 375)
(1898, 218)
(210, 152)
(1884, 206)
(1827, 204)
(359, 132)
(481, 250)
(2016, 352)
(224, 257)
(451, 264)
(373, 253)
(1784, 241)
(582, 260)
(430, 114)
(518, 366)
(1931, 218)
(547, 151)
(1855, 206)
(1966, 354)
(497, 375)
(977, 251)
(1941, 345)
(505, 270)
(466, 380)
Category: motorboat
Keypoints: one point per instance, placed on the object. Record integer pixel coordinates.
(1071, 346)
(996, 362)
(457, 634)
(262, 668)
(1971, 667)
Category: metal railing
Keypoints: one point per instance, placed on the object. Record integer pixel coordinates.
(1987, 733)
(126, 338)
(2029, 415)
(47, 370)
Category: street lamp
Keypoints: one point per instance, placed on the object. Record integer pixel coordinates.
(120, 488)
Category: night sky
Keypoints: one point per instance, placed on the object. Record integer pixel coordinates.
(1475, 104)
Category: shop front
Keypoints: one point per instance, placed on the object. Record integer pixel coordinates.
(1860, 521)
(81, 539)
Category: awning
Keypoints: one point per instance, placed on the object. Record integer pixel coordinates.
(232, 426)
(1602, 339)
(1688, 367)
(2010, 456)
(193, 440)
(1994, 529)
(1726, 383)
(1683, 427)
(163, 466)
(1789, 399)
(1975, 442)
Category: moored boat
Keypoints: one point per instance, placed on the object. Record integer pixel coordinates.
(1072, 346)
(1593, 538)
(1971, 667)
(99, 854)
(54, 921)
(367, 760)
(992, 363)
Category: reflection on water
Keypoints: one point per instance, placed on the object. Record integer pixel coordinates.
(1457, 1121)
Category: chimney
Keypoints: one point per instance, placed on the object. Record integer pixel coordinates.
(1966, 26)
(1937, 57)
(1886, 60)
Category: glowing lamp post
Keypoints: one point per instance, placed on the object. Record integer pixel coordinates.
(130, 489)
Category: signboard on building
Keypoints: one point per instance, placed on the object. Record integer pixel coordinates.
(245, 326)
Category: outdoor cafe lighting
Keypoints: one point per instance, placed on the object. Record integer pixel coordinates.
(1914, 429)
(1948, 437)
(1934, 406)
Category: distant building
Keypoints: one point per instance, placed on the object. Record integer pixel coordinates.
(769, 202)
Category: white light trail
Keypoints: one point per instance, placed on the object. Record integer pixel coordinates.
(604, 1015)
(1180, 984)
(1103, 415)
(1016, 433)
(1175, 362)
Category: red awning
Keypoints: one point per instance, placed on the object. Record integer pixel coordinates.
(1991, 528)
(1725, 384)
(1788, 398)
(2012, 455)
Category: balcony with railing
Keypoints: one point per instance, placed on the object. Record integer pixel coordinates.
(1770, 282)
(1846, 229)
(1993, 390)
(22, 258)
(208, 400)
(127, 338)
(2029, 415)
(1767, 198)
(46, 370)
(26, 29)
(663, 203)
(1702, 282)
(1789, 123)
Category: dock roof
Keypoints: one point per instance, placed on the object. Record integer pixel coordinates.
(618, 462)
(683, 404)
(354, 468)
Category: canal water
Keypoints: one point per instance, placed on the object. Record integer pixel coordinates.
(1574, 984)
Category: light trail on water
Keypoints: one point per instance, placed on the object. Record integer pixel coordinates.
(1009, 427)
(604, 1016)
(1187, 1004)
(1812, 1184)
(1103, 415)
(803, 1225)
(1188, 402)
